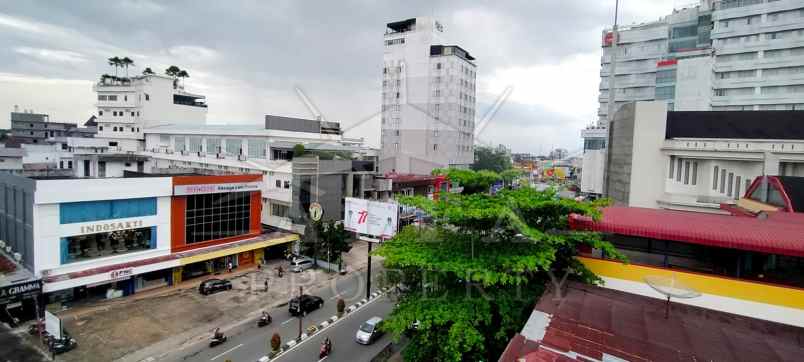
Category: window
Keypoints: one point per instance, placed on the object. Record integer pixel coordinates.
(100, 128)
(435, 133)
(687, 173)
(695, 172)
(438, 65)
(113, 98)
(280, 210)
(213, 145)
(678, 170)
(195, 144)
(100, 113)
(672, 167)
(216, 216)
(714, 178)
(256, 148)
(279, 184)
(77, 248)
(114, 113)
(435, 147)
(101, 97)
(132, 114)
(233, 146)
(69, 164)
(85, 211)
(737, 184)
(61, 164)
(115, 129)
(286, 184)
(396, 146)
(147, 97)
(722, 181)
(731, 184)
(179, 143)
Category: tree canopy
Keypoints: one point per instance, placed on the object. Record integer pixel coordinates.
(492, 159)
(326, 240)
(471, 278)
(472, 181)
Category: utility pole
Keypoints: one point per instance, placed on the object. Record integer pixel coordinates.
(368, 272)
(301, 312)
(615, 38)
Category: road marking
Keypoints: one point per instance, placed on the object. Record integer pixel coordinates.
(325, 357)
(232, 349)
(288, 321)
(335, 296)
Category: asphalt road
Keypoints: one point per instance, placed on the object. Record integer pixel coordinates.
(252, 342)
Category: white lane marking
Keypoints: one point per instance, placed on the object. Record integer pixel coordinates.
(232, 349)
(334, 296)
(325, 357)
(288, 321)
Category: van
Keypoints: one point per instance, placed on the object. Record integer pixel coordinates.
(301, 264)
(369, 331)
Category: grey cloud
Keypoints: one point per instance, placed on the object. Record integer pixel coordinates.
(255, 53)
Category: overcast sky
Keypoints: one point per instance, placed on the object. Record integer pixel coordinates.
(248, 57)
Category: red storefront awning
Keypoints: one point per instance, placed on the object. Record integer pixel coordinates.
(779, 233)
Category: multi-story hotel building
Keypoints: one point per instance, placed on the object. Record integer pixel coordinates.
(428, 99)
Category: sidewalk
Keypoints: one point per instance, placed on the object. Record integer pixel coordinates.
(162, 320)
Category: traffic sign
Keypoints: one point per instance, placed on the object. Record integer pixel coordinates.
(316, 211)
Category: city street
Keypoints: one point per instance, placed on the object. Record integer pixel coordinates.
(249, 343)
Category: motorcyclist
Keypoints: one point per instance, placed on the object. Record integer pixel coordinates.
(265, 316)
(217, 334)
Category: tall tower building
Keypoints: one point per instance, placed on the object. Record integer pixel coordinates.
(428, 99)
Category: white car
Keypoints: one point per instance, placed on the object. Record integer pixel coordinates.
(301, 264)
(369, 331)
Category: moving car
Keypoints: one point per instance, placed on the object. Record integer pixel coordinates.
(301, 264)
(369, 331)
(214, 285)
(304, 304)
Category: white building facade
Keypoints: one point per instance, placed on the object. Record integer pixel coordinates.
(428, 99)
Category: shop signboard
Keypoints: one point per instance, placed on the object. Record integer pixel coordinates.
(121, 274)
(182, 190)
(374, 218)
(15, 292)
(53, 325)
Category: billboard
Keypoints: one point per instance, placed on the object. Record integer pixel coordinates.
(379, 219)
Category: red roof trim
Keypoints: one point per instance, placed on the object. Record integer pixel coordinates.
(780, 235)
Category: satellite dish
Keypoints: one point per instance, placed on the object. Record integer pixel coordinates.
(670, 287)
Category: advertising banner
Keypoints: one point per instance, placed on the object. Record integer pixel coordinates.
(374, 218)
(15, 292)
(53, 325)
(181, 190)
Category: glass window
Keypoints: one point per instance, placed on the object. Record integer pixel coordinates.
(213, 145)
(195, 144)
(687, 173)
(233, 146)
(180, 143)
(84, 211)
(731, 184)
(714, 178)
(217, 216)
(737, 184)
(280, 210)
(694, 172)
(672, 166)
(98, 245)
(722, 181)
(279, 184)
(256, 148)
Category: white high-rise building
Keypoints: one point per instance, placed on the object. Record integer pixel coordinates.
(126, 106)
(759, 62)
(428, 99)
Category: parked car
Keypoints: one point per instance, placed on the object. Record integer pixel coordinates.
(301, 264)
(304, 304)
(369, 331)
(210, 286)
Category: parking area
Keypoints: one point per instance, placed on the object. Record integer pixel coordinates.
(176, 316)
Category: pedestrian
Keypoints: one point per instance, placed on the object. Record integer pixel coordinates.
(266, 284)
(259, 265)
(230, 267)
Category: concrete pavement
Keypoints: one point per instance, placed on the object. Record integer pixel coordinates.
(247, 342)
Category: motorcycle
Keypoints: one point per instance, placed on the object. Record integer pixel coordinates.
(62, 345)
(216, 340)
(264, 320)
(326, 349)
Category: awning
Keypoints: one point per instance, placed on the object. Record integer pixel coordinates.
(780, 233)
(232, 250)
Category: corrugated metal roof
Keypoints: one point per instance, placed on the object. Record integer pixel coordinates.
(778, 234)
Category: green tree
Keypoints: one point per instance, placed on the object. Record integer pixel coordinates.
(172, 71)
(471, 181)
(116, 62)
(148, 71)
(326, 240)
(126, 62)
(508, 176)
(471, 278)
(492, 159)
(298, 150)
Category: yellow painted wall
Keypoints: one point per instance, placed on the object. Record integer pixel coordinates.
(238, 249)
(706, 284)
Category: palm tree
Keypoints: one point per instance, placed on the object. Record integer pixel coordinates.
(172, 71)
(147, 71)
(115, 62)
(126, 62)
(183, 74)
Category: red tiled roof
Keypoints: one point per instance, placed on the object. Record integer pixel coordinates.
(780, 233)
(590, 321)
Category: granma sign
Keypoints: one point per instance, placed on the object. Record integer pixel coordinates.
(14, 292)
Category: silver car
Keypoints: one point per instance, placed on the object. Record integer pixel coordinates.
(369, 331)
(301, 264)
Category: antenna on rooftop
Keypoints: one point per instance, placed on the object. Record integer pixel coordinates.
(670, 287)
